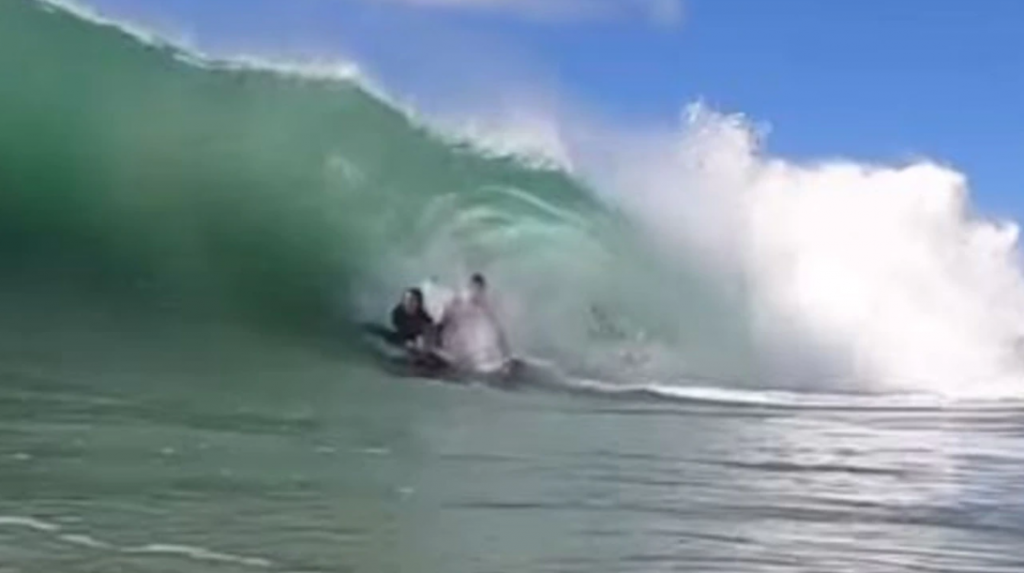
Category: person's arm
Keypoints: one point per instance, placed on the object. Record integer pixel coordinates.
(396, 319)
(400, 323)
(427, 331)
(507, 362)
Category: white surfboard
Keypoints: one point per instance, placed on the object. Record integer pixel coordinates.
(436, 297)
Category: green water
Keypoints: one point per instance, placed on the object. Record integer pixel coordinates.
(288, 461)
(134, 172)
(184, 248)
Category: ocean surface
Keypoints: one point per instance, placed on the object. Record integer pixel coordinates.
(147, 462)
(186, 246)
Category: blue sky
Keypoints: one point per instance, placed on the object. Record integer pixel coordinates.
(884, 81)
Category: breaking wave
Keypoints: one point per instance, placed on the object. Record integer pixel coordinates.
(304, 200)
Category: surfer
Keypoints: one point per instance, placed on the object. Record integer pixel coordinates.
(413, 330)
(468, 339)
(470, 334)
(413, 326)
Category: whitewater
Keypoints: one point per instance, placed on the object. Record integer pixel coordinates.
(752, 363)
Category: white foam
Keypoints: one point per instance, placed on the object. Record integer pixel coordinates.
(531, 137)
(199, 554)
(883, 265)
(85, 541)
(726, 395)
(188, 52)
(28, 523)
(136, 30)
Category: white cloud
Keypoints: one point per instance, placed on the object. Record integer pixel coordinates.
(658, 12)
(666, 13)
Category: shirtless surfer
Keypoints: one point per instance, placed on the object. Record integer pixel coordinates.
(471, 335)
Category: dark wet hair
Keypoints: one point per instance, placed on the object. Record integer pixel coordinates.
(478, 280)
(416, 294)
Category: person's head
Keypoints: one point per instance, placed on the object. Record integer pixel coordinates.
(412, 300)
(477, 286)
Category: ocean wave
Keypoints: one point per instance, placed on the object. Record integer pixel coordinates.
(305, 196)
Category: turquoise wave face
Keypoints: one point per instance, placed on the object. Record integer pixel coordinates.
(129, 169)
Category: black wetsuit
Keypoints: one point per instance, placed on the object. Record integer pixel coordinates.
(405, 329)
(409, 327)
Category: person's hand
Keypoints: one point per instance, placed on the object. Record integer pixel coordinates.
(507, 367)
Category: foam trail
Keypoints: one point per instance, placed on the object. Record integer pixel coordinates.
(200, 554)
(28, 523)
(85, 541)
(772, 399)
